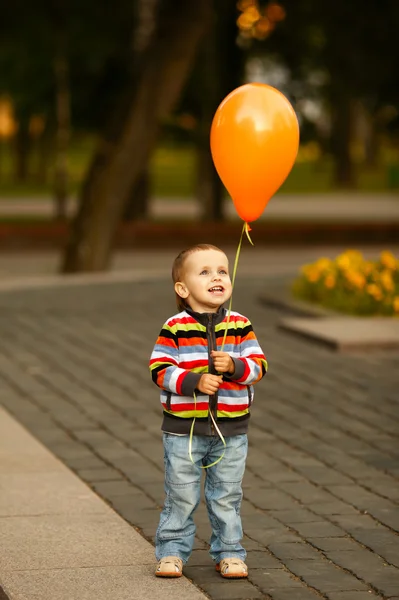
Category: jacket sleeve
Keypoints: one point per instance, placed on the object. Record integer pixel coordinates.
(164, 366)
(251, 366)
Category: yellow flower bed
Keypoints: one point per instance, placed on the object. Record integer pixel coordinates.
(352, 284)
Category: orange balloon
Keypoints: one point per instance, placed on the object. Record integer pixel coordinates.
(254, 144)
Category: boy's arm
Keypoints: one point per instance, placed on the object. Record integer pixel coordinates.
(252, 364)
(164, 366)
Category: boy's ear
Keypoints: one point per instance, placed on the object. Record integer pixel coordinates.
(181, 289)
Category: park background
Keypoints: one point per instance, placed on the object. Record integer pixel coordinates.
(105, 114)
(105, 166)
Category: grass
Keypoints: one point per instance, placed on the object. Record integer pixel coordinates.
(173, 173)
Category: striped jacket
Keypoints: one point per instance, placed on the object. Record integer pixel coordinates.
(182, 354)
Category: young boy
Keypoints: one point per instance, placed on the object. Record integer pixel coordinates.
(211, 386)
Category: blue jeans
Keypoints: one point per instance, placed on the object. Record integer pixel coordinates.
(223, 495)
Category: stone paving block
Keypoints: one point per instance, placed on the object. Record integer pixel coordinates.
(370, 568)
(306, 493)
(289, 517)
(94, 437)
(144, 474)
(116, 453)
(335, 544)
(250, 544)
(50, 433)
(270, 499)
(356, 522)
(267, 536)
(353, 595)
(261, 520)
(147, 446)
(324, 576)
(387, 516)
(282, 474)
(94, 475)
(294, 594)
(200, 544)
(71, 450)
(355, 468)
(289, 550)
(155, 491)
(115, 489)
(26, 412)
(358, 496)
(337, 507)
(323, 476)
(225, 590)
(269, 580)
(87, 462)
(321, 529)
(261, 559)
(131, 459)
(145, 518)
(201, 558)
(383, 543)
(387, 486)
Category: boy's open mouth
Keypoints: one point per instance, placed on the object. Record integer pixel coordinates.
(216, 289)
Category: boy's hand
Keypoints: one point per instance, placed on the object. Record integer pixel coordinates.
(223, 362)
(209, 384)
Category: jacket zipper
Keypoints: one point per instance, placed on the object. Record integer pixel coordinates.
(213, 399)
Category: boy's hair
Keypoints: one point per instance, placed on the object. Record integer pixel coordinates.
(178, 268)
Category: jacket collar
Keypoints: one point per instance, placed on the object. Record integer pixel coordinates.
(203, 318)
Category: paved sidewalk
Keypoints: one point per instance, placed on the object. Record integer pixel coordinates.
(60, 541)
(346, 207)
(321, 492)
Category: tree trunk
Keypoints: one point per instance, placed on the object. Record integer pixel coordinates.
(22, 145)
(372, 143)
(45, 143)
(61, 175)
(220, 69)
(209, 189)
(63, 117)
(342, 122)
(125, 150)
(138, 201)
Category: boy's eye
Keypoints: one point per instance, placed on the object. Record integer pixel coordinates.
(223, 272)
(204, 272)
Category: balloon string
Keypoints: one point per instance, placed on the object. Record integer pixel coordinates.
(246, 229)
(190, 443)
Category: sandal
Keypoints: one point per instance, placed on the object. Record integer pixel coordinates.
(170, 566)
(232, 568)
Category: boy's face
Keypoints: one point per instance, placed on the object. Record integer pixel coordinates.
(205, 282)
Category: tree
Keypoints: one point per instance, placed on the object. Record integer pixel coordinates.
(129, 138)
(64, 61)
(354, 43)
(220, 69)
(26, 74)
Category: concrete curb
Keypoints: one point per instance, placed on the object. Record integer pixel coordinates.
(60, 541)
(49, 281)
(336, 331)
